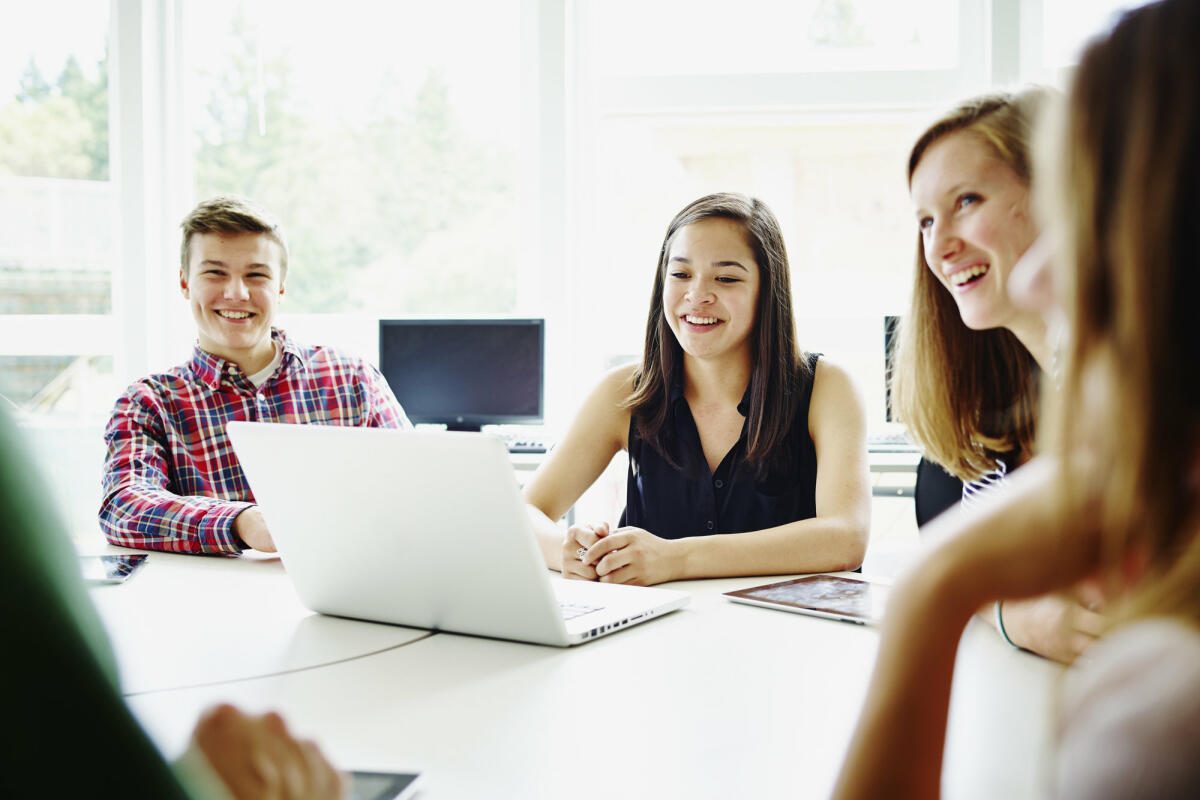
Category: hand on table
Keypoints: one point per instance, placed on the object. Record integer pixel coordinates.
(251, 528)
(1054, 626)
(635, 556)
(257, 757)
(581, 536)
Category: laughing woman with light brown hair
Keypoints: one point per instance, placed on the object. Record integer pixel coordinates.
(967, 358)
(969, 361)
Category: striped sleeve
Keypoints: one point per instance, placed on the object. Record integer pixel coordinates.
(994, 481)
(383, 409)
(139, 509)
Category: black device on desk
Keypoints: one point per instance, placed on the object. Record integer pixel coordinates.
(383, 785)
(465, 373)
(828, 596)
(110, 569)
(892, 440)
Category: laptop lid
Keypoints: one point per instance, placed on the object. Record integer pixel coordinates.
(425, 529)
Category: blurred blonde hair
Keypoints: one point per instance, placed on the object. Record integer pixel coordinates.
(967, 396)
(1126, 420)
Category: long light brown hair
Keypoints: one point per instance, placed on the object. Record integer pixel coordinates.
(967, 396)
(1127, 419)
(777, 366)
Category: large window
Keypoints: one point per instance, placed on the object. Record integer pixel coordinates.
(1060, 28)
(57, 204)
(518, 157)
(809, 105)
(711, 37)
(385, 137)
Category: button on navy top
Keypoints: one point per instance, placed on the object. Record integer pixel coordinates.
(692, 501)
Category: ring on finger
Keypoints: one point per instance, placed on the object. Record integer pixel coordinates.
(581, 553)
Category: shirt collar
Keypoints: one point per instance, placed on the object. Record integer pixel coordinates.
(208, 368)
(675, 393)
(290, 349)
(744, 406)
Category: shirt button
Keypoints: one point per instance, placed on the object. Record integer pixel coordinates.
(709, 525)
(719, 484)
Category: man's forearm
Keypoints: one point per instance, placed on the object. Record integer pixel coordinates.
(154, 519)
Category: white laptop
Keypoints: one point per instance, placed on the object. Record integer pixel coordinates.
(424, 529)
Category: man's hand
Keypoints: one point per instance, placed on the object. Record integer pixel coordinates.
(251, 528)
(635, 556)
(256, 757)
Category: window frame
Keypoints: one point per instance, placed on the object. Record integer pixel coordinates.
(151, 168)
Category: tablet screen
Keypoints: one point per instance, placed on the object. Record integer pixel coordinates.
(109, 569)
(382, 785)
(832, 596)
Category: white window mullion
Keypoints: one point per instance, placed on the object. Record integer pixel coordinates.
(148, 167)
(812, 90)
(57, 335)
(543, 282)
(1004, 33)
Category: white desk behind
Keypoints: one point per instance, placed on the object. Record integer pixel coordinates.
(715, 700)
(185, 620)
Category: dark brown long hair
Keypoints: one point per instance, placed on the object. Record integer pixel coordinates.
(777, 368)
(965, 395)
(1127, 418)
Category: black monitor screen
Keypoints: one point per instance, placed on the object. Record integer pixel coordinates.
(465, 373)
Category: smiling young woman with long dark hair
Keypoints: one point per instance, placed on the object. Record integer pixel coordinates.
(747, 455)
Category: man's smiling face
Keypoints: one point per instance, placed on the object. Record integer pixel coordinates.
(233, 284)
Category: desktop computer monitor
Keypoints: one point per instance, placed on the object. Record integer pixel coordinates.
(890, 324)
(465, 373)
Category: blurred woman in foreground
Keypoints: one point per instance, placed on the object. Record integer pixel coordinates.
(1115, 500)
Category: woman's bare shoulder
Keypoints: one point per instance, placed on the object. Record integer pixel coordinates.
(604, 413)
(617, 383)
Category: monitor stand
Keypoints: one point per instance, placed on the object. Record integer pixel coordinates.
(463, 426)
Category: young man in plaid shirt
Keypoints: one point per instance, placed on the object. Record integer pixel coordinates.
(171, 480)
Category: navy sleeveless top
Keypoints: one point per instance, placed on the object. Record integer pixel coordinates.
(690, 500)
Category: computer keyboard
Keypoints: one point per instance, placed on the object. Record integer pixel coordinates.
(526, 446)
(897, 442)
(573, 610)
(521, 440)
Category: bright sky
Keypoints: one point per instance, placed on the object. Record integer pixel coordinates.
(669, 37)
(1070, 24)
(50, 30)
(339, 51)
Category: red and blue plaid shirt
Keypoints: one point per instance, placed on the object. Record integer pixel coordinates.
(171, 479)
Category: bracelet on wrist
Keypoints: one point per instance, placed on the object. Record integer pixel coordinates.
(1000, 626)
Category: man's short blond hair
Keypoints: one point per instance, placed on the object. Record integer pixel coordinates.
(231, 214)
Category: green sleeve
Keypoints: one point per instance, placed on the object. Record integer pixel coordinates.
(67, 730)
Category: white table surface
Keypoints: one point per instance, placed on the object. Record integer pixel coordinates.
(186, 620)
(717, 700)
